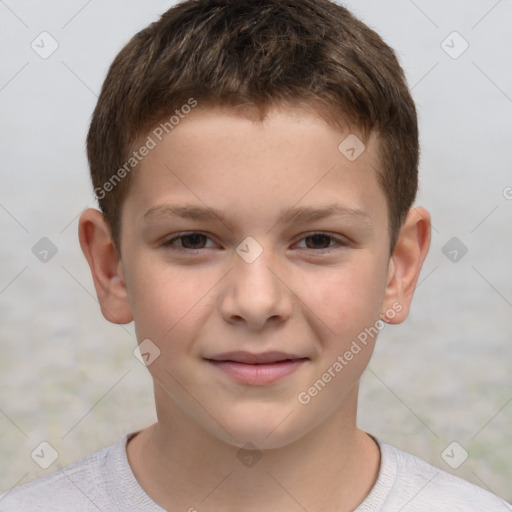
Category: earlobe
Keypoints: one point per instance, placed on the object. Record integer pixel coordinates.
(405, 264)
(106, 267)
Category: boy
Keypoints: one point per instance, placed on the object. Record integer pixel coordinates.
(230, 138)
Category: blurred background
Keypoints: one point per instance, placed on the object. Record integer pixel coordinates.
(439, 385)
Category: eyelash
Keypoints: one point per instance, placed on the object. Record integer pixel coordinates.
(168, 244)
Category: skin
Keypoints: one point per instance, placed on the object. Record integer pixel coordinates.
(307, 296)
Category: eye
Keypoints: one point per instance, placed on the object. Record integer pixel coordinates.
(195, 242)
(320, 242)
(188, 242)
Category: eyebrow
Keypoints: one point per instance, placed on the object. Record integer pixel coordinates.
(297, 214)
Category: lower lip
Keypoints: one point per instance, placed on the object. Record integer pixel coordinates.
(258, 374)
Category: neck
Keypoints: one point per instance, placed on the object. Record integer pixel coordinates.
(183, 467)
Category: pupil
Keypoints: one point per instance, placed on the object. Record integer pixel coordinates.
(195, 239)
(318, 238)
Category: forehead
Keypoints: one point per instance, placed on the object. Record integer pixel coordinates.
(221, 158)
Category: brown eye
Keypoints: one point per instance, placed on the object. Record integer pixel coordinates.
(318, 241)
(193, 242)
(322, 243)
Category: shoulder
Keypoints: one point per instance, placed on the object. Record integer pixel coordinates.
(78, 486)
(417, 485)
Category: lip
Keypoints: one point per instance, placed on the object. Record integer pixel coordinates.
(257, 369)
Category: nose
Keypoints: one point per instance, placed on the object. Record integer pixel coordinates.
(256, 294)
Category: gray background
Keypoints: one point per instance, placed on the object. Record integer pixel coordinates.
(69, 377)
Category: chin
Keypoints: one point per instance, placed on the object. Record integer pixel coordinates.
(264, 427)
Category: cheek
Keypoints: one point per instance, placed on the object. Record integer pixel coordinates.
(344, 300)
(168, 303)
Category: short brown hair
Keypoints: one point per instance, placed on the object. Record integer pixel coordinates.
(253, 55)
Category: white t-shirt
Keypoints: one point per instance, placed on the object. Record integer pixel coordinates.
(104, 481)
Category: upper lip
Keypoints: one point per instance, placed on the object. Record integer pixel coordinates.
(252, 358)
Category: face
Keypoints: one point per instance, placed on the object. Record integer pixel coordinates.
(255, 255)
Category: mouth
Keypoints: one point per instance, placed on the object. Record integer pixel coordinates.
(257, 369)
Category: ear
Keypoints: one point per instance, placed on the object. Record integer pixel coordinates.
(405, 264)
(106, 267)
